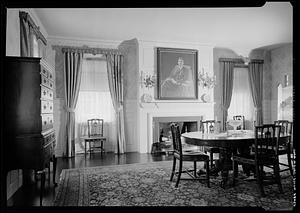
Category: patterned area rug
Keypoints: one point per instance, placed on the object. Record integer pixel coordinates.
(148, 184)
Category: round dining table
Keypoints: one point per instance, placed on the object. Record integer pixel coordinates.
(228, 142)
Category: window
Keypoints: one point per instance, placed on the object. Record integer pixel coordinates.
(94, 99)
(241, 100)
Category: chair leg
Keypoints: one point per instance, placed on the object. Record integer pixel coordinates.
(91, 147)
(42, 174)
(277, 176)
(234, 172)
(259, 180)
(211, 159)
(84, 148)
(207, 173)
(49, 174)
(54, 170)
(195, 169)
(35, 175)
(290, 162)
(179, 173)
(173, 169)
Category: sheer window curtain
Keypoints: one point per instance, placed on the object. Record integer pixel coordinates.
(241, 100)
(94, 101)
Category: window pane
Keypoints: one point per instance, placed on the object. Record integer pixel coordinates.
(94, 99)
(241, 101)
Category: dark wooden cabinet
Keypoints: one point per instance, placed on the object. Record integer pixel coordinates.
(29, 137)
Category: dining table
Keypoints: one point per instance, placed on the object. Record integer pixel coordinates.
(228, 142)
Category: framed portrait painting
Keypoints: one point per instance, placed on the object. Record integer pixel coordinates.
(177, 74)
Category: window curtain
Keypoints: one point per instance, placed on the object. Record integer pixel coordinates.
(241, 100)
(26, 38)
(72, 77)
(28, 32)
(94, 101)
(256, 85)
(115, 80)
(226, 85)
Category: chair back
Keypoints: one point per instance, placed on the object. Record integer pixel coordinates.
(207, 126)
(286, 129)
(285, 126)
(95, 127)
(267, 141)
(240, 118)
(176, 137)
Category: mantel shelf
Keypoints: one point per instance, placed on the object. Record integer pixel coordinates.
(157, 103)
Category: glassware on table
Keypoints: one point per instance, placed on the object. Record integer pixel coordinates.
(234, 124)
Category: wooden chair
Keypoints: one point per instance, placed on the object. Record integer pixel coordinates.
(265, 153)
(95, 135)
(241, 118)
(208, 126)
(186, 155)
(287, 147)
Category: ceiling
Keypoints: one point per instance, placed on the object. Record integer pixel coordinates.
(240, 29)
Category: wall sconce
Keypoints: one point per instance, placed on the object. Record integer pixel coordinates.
(286, 80)
(148, 80)
(205, 80)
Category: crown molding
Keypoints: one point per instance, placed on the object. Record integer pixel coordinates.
(75, 41)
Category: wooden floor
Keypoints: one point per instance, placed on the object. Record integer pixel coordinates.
(29, 196)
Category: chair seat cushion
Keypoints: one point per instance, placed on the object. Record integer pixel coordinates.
(212, 149)
(190, 147)
(250, 159)
(192, 155)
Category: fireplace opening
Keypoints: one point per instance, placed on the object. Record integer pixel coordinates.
(162, 136)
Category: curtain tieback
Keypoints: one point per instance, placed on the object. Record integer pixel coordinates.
(224, 108)
(257, 109)
(70, 109)
(120, 108)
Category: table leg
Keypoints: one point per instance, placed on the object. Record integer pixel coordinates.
(224, 164)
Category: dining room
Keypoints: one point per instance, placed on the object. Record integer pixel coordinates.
(201, 119)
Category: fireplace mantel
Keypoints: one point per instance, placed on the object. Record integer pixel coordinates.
(152, 117)
(166, 111)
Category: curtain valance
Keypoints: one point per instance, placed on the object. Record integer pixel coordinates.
(240, 60)
(90, 50)
(26, 17)
(234, 60)
(258, 61)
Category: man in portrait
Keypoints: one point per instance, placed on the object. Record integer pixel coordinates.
(180, 81)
